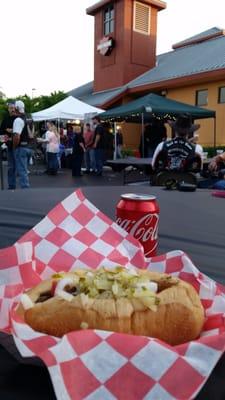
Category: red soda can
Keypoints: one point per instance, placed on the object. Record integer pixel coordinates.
(139, 215)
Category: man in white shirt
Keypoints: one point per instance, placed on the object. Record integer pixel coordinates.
(198, 147)
(20, 144)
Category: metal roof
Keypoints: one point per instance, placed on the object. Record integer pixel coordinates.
(200, 36)
(85, 93)
(83, 90)
(185, 61)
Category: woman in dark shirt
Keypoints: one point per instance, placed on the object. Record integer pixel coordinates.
(78, 152)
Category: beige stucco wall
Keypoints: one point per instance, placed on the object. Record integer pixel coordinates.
(206, 131)
(131, 135)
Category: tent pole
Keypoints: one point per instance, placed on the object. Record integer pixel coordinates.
(214, 138)
(1, 170)
(115, 142)
(142, 134)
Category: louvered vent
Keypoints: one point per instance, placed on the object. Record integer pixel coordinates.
(142, 18)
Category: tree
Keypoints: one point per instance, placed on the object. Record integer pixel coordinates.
(42, 102)
(2, 95)
(3, 108)
(35, 104)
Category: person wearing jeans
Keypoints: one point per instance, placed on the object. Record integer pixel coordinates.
(11, 169)
(22, 155)
(21, 148)
(52, 139)
(99, 156)
(90, 160)
(90, 151)
(6, 129)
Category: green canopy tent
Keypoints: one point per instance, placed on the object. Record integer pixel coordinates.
(151, 106)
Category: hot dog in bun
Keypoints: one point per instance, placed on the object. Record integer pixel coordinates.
(123, 300)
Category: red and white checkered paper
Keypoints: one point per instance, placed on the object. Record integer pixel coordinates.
(96, 364)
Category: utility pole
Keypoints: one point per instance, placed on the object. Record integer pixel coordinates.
(33, 90)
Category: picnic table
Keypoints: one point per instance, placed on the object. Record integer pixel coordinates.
(135, 168)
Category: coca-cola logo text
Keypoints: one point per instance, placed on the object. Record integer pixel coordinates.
(143, 229)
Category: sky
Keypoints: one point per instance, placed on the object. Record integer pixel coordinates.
(48, 45)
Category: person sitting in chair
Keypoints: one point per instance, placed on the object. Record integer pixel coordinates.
(216, 169)
(178, 154)
(217, 163)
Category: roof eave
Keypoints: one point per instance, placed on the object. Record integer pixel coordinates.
(92, 10)
(208, 76)
(112, 100)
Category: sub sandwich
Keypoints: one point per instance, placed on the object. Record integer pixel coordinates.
(138, 302)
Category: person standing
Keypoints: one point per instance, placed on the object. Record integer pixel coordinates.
(99, 144)
(20, 140)
(6, 130)
(78, 152)
(119, 143)
(154, 133)
(52, 140)
(70, 136)
(90, 151)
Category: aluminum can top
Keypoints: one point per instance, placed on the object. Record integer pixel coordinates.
(138, 197)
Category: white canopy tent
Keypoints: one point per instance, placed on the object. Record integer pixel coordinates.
(67, 109)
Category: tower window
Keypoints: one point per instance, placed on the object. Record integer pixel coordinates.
(142, 13)
(109, 20)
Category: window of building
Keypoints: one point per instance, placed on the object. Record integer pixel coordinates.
(201, 97)
(142, 13)
(221, 95)
(109, 20)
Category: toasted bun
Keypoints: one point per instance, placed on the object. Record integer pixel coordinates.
(177, 318)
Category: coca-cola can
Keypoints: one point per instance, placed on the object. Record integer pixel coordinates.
(138, 214)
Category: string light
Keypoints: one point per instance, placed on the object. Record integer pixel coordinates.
(133, 116)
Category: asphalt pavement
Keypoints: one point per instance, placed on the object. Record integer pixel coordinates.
(39, 179)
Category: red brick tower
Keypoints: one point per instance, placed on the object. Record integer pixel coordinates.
(125, 40)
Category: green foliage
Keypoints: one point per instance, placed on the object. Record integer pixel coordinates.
(127, 153)
(3, 108)
(42, 102)
(35, 104)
